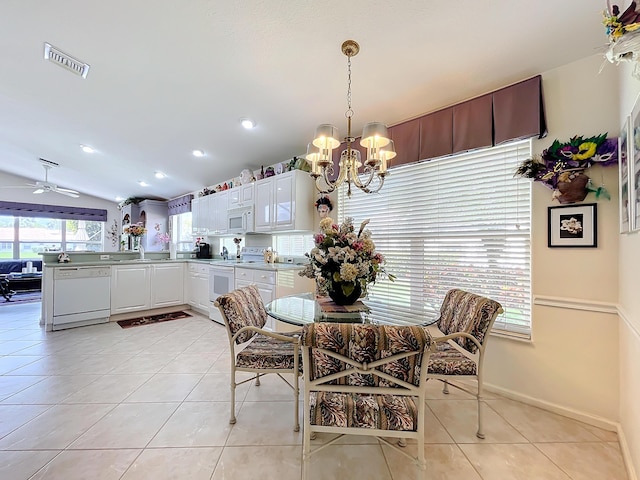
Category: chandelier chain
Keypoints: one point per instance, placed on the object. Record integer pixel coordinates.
(349, 112)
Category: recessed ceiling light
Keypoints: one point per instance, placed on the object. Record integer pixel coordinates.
(87, 149)
(247, 123)
(119, 199)
(160, 175)
(198, 153)
(142, 183)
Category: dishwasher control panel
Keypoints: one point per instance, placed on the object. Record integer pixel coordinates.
(82, 272)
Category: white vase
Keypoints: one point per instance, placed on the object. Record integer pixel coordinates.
(173, 251)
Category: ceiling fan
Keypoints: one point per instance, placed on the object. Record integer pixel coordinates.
(46, 186)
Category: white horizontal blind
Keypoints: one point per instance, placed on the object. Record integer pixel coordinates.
(457, 222)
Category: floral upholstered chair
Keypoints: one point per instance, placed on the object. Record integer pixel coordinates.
(365, 380)
(462, 332)
(256, 350)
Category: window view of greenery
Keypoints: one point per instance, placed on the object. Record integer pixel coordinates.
(25, 237)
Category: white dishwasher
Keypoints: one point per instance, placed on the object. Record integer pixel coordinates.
(81, 296)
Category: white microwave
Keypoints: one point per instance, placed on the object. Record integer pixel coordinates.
(240, 220)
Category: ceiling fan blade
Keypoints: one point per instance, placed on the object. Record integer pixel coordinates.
(68, 193)
(38, 191)
(68, 190)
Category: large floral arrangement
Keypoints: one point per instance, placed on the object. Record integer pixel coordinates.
(135, 230)
(565, 162)
(343, 259)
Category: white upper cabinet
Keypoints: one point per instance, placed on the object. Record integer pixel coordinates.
(284, 202)
(241, 196)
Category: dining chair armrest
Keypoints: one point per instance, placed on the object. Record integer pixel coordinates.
(295, 339)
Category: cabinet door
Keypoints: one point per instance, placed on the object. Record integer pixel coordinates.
(263, 208)
(166, 287)
(195, 215)
(191, 293)
(202, 292)
(246, 195)
(284, 201)
(130, 288)
(267, 292)
(219, 209)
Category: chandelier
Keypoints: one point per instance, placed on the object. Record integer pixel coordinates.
(375, 138)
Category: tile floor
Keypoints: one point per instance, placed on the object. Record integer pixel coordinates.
(151, 402)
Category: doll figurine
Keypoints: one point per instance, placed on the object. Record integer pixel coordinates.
(324, 206)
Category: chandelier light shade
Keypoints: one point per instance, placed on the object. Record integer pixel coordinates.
(375, 138)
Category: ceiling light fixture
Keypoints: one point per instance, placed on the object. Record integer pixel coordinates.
(142, 183)
(159, 175)
(247, 123)
(87, 149)
(198, 153)
(119, 199)
(375, 138)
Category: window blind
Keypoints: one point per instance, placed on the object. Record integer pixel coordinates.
(461, 221)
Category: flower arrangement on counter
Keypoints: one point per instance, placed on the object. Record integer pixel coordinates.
(135, 230)
(344, 263)
(561, 167)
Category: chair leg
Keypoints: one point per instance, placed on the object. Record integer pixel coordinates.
(232, 418)
(296, 403)
(445, 387)
(402, 442)
(422, 462)
(480, 432)
(257, 379)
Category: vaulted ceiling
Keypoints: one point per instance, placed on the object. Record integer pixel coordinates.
(167, 77)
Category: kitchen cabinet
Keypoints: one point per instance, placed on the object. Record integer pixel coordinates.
(284, 203)
(241, 196)
(143, 287)
(199, 215)
(218, 208)
(130, 288)
(197, 287)
(167, 285)
(273, 284)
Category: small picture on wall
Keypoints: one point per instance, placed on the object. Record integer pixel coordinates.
(634, 168)
(573, 226)
(624, 156)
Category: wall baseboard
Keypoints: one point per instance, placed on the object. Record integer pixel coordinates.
(574, 414)
(626, 454)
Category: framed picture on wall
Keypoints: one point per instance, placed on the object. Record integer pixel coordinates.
(634, 168)
(623, 166)
(573, 226)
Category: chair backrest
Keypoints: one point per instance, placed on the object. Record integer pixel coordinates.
(469, 313)
(365, 344)
(242, 307)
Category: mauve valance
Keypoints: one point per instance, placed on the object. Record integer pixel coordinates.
(180, 205)
(52, 211)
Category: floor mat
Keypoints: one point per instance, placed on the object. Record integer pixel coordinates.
(164, 317)
(22, 297)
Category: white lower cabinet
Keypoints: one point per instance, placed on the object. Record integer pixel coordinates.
(143, 287)
(167, 285)
(130, 288)
(197, 287)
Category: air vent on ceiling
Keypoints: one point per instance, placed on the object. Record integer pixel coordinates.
(58, 57)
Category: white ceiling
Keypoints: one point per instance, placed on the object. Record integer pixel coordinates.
(170, 76)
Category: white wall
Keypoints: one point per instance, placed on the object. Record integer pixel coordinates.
(25, 195)
(571, 364)
(629, 304)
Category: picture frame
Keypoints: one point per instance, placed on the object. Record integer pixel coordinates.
(573, 226)
(624, 174)
(634, 168)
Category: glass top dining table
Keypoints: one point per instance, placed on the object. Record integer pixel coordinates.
(303, 308)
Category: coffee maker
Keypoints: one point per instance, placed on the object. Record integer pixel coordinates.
(203, 250)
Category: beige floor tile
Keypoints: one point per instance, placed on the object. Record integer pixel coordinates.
(174, 464)
(264, 463)
(128, 425)
(349, 461)
(12, 362)
(88, 464)
(108, 389)
(11, 385)
(272, 389)
(22, 465)
(14, 416)
(265, 423)
(444, 462)
(538, 425)
(13, 346)
(166, 387)
(52, 389)
(460, 419)
(195, 424)
(512, 462)
(56, 428)
(144, 363)
(602, 434)
(214, 387)
(190, 363)
(587, 461)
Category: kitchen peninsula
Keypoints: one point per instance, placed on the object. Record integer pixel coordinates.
(101, 287)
